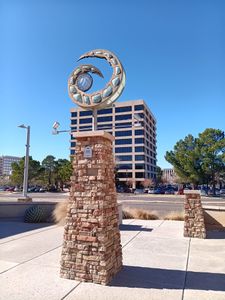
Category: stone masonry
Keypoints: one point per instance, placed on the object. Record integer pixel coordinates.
(91, 249)
(194, 225)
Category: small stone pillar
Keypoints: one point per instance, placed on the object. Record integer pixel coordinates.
(194, 225)
(91, 249)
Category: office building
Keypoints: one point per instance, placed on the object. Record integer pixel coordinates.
(169, 176)
(134, 127)
(5, 164)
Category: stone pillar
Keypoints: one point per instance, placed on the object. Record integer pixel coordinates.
(91, 249)
(194, 225)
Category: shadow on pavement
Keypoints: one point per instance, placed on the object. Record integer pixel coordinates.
(215, 234)
(142, 277)
(10, 228)
(130, 227)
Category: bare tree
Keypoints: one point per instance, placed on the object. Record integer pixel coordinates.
(147, 183)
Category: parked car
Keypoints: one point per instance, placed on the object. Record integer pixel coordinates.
(139, 191)
(151, 191)
(222, 192)
(31, 189)
(169, 192)
(203, 193)
(10, 189)
(217, 192)
(180, 192)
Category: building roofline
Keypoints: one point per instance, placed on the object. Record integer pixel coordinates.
(122, 103)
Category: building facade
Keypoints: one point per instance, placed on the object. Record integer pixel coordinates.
(134, 127)
(5, 164)
(169, 176)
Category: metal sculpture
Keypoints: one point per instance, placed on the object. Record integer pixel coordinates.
(80, 82)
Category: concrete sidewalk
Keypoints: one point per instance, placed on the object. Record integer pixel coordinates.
(159, 263)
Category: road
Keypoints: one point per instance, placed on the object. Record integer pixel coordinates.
(163, 204)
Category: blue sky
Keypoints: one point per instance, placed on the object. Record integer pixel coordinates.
(173, 53)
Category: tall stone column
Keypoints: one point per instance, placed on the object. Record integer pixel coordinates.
(194, 224)
(91, 248)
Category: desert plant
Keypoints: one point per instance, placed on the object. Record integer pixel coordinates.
(59, 213)
(127, 214)
(35, 214)
(175, 216)
(133, 213)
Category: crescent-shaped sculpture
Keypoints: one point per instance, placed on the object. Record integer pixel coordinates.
(80, 81)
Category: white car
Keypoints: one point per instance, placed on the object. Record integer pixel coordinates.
(222, 192)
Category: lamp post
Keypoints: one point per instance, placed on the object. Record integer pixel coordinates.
(25, 198)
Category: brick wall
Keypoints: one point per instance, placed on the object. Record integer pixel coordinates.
(91, 248)
(194, 225)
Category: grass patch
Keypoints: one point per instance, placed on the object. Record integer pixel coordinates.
(175, 216)
(141, 214)
(59, 213)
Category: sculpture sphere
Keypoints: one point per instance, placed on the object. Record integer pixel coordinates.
(80, 82)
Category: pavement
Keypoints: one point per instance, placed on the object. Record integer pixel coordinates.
(158, 263)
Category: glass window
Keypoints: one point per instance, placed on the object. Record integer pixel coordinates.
(74, 114)
(85, 127)
(86, 113)
(123, 117)
(123, 142)
(139, 107)
(123, 125)
(104, 119)
(123, 133)
(72, 137)
(72, 152)
(124, 157)
(139, 140)
(123, 109)
(105, 126)
(139, 132)
(73, 122)
(123, 150)
(139, 175)
(139, 157)
(74, 128)
(139, 166)
(105, 111)
(141, 115)
(85, 121)
(124, 167)
(124, 175)
(139, 149)
(73, 144)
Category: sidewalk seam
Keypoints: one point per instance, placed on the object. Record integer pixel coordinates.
(186, 268)
(29, 260)
(64, 297)
(138, 234)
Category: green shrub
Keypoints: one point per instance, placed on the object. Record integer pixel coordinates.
(35, 214)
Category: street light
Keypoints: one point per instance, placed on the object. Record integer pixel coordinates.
(55, 127)
(26, 166)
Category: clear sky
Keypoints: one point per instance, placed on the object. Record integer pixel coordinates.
(173, 52)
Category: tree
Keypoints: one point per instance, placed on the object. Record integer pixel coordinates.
(63, 172)
(34, 171)
(147, 183)
(159, 174)
(186, 160)
(198, 160)
(49, 164)
(130, 182)
(211, 144)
